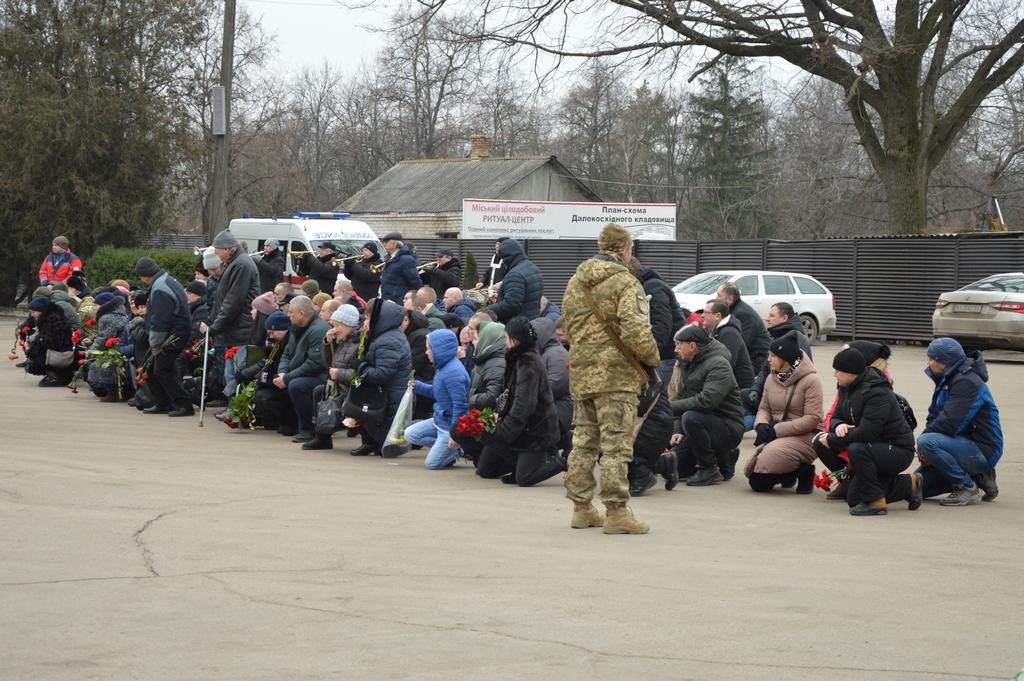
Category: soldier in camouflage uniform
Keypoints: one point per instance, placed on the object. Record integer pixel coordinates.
(605, 385)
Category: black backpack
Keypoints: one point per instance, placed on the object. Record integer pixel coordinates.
(908, 411)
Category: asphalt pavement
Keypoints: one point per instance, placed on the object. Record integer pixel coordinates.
(146, 548)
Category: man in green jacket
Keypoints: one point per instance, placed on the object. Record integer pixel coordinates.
(302, 366)
(707, 402)
(604, 382)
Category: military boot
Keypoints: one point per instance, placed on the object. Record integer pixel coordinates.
(585, 515)
(620, 520)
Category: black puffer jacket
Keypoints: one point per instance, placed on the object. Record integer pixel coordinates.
(869, 404)
(232, 314)
(200, 313)
(387, 362)
(416, 334)
(666, 315)
(399, 275)
(271, 269)
(730, 334)
(528, 420)
(522, 287)
(655, 433)
(365, 282)
(54, 334)
(321, 270)
(444, 277)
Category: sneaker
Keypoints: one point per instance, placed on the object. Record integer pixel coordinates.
(639, 486)
(987, 482)
(964, 496)
(704, 477)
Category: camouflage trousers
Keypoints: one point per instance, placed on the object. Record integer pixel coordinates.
(603, 426)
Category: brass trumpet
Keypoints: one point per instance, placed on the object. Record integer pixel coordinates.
(334, 261)
(426, 266)
(377, 267)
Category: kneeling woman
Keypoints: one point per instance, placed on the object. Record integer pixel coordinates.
(522, 448)
(787, 420)
(448, 392)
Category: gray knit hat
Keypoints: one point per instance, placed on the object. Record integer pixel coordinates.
(211, 260)
(225, 240)
(146, 267)
(347, 315)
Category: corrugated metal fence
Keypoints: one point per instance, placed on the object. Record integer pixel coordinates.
(885, 288)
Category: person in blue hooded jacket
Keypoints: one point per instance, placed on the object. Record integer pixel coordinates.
(399, 275)
(521, 289)
(450, 392)
(387, 363)
(962, 439)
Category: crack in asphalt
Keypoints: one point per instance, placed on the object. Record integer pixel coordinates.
(577, 647)
(147, 555)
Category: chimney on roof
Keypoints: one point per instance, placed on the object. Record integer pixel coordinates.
(479, 147)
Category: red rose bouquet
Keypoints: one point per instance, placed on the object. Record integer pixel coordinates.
(475, 423)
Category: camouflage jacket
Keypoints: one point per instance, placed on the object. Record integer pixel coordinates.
(596, 364)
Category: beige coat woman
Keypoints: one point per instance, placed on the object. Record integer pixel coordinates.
(792, 444)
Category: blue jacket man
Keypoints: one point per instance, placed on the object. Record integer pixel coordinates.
(450, 392)
(962, 439)
(399, 275)
(521, 288)
(167, 318)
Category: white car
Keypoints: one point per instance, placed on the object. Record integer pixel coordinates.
(810, 299)
(986, 314)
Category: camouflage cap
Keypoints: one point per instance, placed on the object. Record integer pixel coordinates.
(613, 238)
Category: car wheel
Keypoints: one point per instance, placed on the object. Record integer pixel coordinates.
(810, 328)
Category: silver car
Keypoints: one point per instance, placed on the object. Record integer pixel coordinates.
(986, 314)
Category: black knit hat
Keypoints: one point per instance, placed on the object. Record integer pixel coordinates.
(786, 348)
(196, 288)
(849, 361)
(871, 350)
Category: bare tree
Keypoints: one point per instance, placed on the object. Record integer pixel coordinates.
(898, 65)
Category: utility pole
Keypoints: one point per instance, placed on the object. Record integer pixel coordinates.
(217, 215)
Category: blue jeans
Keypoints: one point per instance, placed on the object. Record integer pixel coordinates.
(426, 433)
(233, 365)
(953, 461)
(748, 422)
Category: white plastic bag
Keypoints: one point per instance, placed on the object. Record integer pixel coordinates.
(395, 444)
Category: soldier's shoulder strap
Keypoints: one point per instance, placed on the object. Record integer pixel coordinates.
(626, 352)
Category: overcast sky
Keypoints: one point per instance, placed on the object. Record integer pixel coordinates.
(310, 31)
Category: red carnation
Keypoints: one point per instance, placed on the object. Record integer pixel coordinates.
(82, 361)
(76, 336)
(111, 342)
(231, 352)
(12, 357)
(91, 322)
(823, 481)
(26, 329)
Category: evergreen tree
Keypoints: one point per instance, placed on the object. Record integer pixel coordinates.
(730, 156)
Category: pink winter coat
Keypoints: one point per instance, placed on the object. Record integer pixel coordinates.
(792, 445)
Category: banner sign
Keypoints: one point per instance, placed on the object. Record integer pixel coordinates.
(490, 219)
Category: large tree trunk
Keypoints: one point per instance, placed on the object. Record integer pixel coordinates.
(905, 181)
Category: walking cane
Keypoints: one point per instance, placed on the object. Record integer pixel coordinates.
(202, 393)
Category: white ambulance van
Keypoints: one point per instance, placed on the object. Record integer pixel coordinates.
(304, 232)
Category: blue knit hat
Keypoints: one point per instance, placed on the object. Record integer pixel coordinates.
(946, 350)
(103, 298)
(278, 321)
(39, 304)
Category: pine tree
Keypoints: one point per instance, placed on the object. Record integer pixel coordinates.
(731, 153)
(470, 273)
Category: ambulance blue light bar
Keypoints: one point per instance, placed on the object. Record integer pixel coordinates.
(323, 216)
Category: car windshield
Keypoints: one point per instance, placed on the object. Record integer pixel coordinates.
(1001, 283)
(345, 248)
(702, 284)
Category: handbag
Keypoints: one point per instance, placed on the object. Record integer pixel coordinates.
(652, 381)
(365, 402)
(328, 413)
(59, 359)
(395, 444)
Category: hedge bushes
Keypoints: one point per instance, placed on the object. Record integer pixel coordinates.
(109, 263)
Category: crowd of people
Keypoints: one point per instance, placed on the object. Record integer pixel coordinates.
(619, 380)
